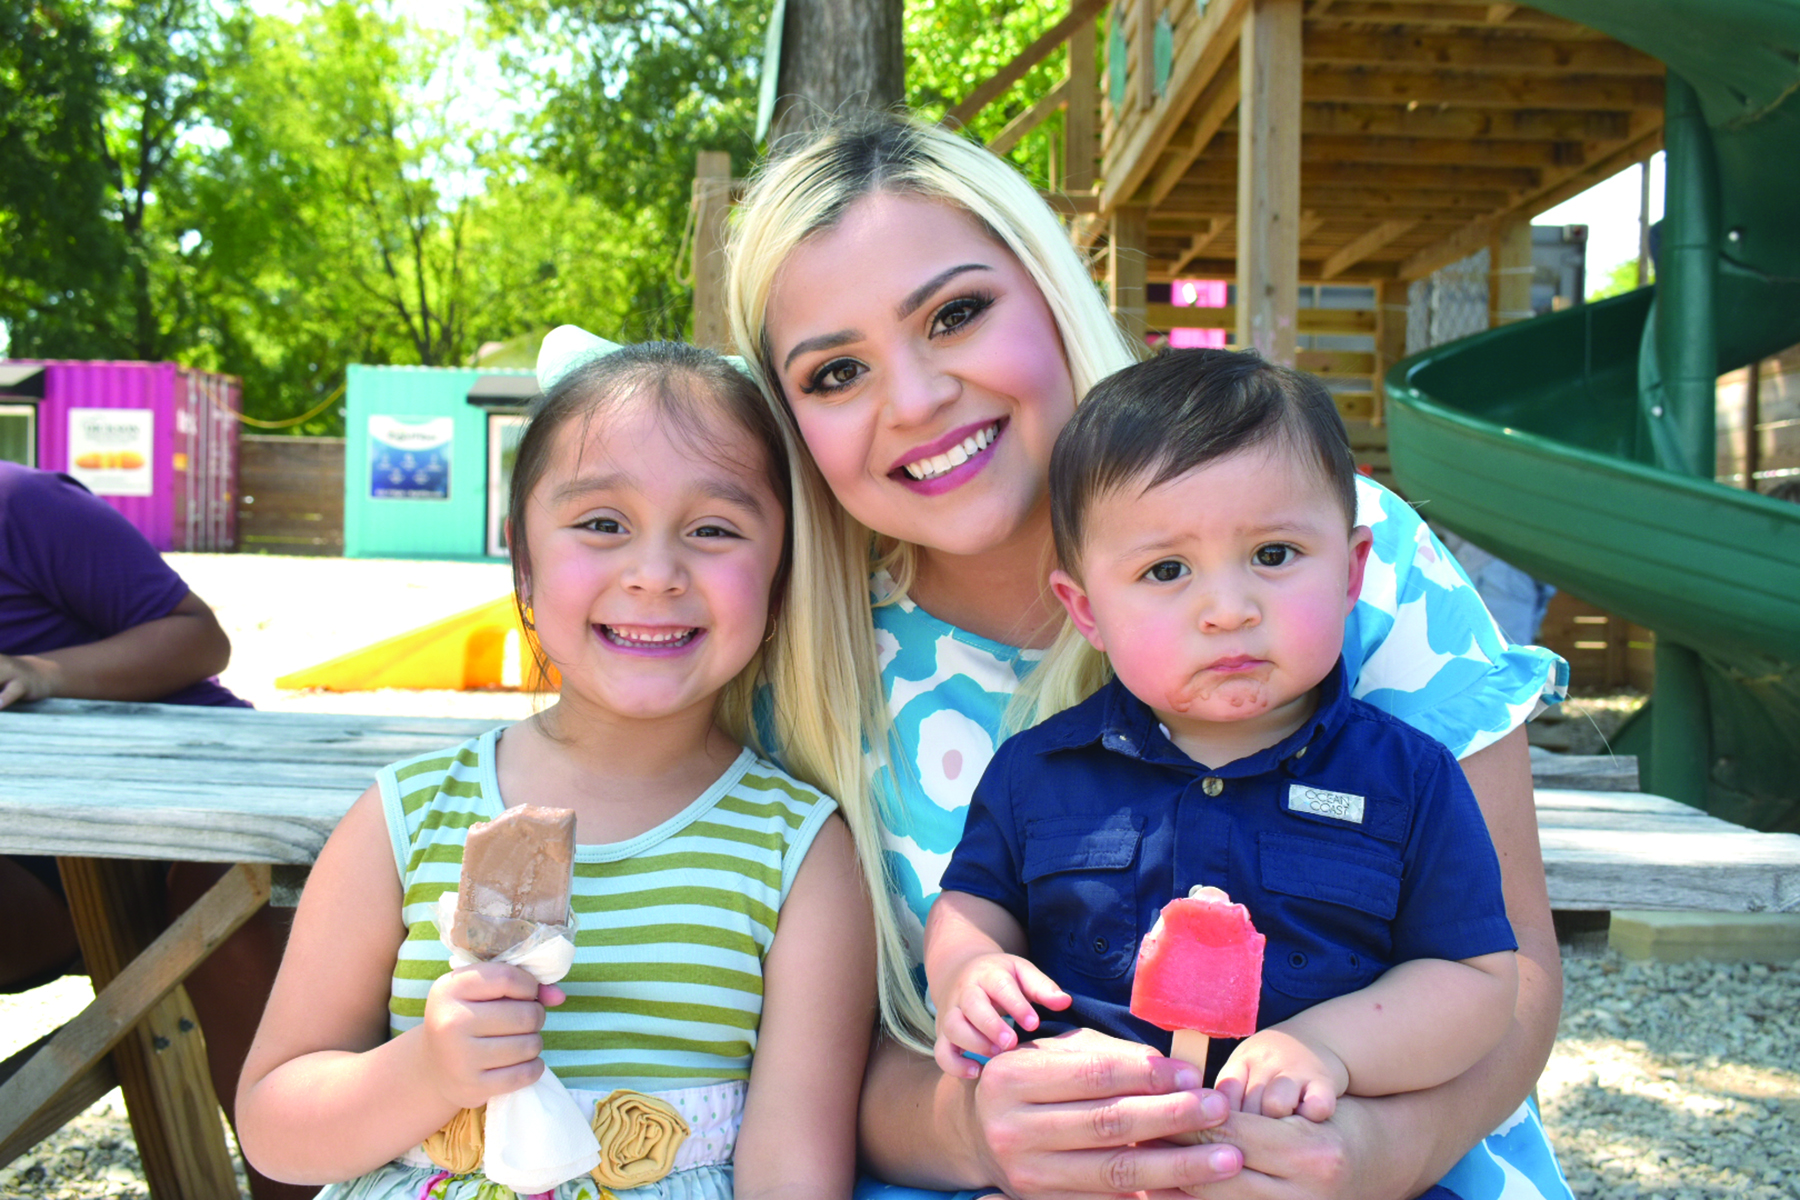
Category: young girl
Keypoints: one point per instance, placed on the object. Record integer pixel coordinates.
(650, 506)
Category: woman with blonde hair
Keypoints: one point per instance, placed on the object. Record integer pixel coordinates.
(923, 328)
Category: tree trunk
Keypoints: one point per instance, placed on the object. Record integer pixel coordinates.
(837, 54)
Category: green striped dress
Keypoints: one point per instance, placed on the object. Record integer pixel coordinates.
(666, 990)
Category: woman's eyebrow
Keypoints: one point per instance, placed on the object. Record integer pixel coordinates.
(825, 341)
(922, 293)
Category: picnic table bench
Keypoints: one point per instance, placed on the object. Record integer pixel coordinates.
(110, 787)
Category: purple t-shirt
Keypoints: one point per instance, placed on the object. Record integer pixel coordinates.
(74, 571)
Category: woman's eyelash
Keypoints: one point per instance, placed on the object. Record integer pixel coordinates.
(971, 305)
(965, 307)
(818, 383)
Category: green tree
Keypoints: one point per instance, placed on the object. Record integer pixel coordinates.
(952, 48)
(632, 92)
(96, 98)
(351, 218)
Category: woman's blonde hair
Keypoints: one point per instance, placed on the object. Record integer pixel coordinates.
(802, 190)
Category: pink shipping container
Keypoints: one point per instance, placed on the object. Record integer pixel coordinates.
(158, 441)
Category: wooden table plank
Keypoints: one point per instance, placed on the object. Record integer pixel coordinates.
(353, 724)
(1613, 869)
(236, 785)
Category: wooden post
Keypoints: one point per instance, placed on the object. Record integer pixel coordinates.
(1127, 267)
(161, 1064)
(1509, 275)
(1391, 309)
(1268, 255)
(1080, 146)
(712, 192)
(1144, 52)
(1752, 418)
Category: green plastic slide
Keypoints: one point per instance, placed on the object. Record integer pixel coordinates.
(1579, 446)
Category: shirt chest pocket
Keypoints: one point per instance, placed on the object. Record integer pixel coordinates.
(1340, 902)
(1081, 884)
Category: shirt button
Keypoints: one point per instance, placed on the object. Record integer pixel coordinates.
(1300, 753)
(1100, 945)
(1212, 785)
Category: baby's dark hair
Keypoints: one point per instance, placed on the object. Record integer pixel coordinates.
(1161, 418)
(685, 383)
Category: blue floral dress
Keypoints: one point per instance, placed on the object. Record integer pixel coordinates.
(1419, 644)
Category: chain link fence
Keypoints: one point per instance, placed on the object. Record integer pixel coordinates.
(1450, 303)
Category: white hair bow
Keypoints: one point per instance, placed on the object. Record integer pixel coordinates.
(570, 346)
(565, 348)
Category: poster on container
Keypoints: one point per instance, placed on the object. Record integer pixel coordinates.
(109, 450)
(410, 460)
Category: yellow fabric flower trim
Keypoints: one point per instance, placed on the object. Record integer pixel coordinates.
(638, 1137)
(457, 1147)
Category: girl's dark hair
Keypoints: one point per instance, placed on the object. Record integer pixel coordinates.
(687, 385)
(1160, 419)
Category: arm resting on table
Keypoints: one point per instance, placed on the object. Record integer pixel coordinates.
(144, 662)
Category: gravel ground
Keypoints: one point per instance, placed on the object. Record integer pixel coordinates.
(1668, 1082)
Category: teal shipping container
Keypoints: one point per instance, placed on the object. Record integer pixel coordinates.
(427, 458)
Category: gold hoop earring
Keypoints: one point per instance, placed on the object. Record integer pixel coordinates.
(530, 622)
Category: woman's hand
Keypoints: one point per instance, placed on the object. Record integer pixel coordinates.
(481, 1032)
(1292, 1158)
(1065, 1117)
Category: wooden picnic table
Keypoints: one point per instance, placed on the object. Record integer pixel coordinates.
(107, 786)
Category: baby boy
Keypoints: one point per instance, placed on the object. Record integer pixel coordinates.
(1204, 506)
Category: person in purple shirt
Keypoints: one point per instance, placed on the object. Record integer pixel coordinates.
(89, 610)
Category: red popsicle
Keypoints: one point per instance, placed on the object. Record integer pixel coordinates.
(1199, 973)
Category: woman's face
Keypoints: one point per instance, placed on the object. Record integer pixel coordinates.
(925, 372)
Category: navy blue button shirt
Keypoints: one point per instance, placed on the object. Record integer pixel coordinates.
(1355, 843)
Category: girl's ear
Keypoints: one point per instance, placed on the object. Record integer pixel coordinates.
(1075, 599)
(1360, 541)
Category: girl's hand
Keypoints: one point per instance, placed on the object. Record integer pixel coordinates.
(481, 1031)
(1082, 1114)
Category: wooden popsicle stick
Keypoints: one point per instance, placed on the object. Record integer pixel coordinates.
(1190, 1045)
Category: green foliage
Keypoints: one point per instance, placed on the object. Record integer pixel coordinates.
(278, 197)
(95, 98)
(952, 48)
(1620, 279)
(632, 92)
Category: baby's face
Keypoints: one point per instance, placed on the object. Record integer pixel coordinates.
(1220, 596)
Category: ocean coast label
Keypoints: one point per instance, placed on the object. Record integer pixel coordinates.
(1321, 803)
(410, 460)
(109, 450)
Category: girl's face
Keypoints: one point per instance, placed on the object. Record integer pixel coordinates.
(652, 558)
(925, 372)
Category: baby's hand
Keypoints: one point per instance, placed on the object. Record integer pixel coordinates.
(975, 1003)
(1275, 1073)
(481, 1031)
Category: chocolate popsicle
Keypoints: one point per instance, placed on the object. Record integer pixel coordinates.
(516, 874)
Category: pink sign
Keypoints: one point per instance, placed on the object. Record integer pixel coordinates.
(1197, 293)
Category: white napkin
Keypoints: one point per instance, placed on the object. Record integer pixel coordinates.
(537, 1136)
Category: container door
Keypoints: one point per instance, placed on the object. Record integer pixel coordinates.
(18, 434)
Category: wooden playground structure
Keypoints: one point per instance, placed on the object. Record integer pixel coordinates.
(1288, 143)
